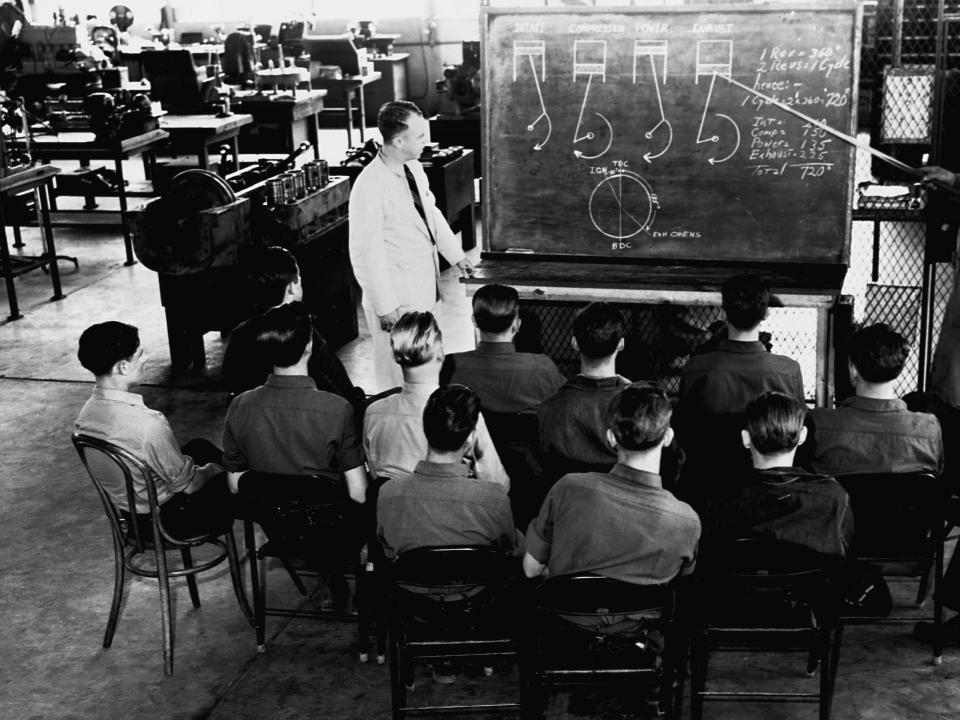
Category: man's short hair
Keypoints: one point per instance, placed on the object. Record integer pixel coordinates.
(878, 352)
(599, 328)
(745, 300)
(104, 345)
(495, 307)
(639, 416)
(392, 118)
(276, 269)
(774, 421)
(415, 339)
(283, 332)
(450, 415)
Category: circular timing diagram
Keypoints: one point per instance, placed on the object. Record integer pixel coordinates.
(622, 205)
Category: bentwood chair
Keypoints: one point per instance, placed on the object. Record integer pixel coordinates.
(313, 529)
(765, 596)
(136, 536)
(900, 533)
(591, 630)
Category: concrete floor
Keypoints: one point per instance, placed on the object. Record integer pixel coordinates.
(56, 568)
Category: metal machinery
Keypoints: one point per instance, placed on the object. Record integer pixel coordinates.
(203, 238)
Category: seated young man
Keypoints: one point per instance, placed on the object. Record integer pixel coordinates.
(572, 422)
(191, 485)
(778, 501)
(393, 426)
(506, 381)
(246, 364)
(439, 503)
(288, 426)
(621, 524)
(873, 432)
(716, 386)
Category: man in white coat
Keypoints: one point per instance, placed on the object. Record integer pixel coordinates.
(396, 231)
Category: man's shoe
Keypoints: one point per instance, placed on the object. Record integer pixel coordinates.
(949, 630)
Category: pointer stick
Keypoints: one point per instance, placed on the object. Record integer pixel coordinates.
(849, 139)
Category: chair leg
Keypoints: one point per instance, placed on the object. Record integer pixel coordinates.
(166, 610)
(191, 579)
(698, 677)
(380, 617)
(258, 609)
(363, 599)
(398, 690)
(236, 575)
(119, 578)
(835, 653)
(294, 576)
(824, 650)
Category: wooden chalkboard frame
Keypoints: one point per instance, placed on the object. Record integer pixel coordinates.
(834, 267)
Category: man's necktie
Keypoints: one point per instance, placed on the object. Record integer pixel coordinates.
(418, 201)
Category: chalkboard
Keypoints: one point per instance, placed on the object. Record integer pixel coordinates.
(633, 134)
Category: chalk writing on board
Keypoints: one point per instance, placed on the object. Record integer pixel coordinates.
(639, 132)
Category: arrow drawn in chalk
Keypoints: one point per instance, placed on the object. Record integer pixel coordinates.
(543, 109)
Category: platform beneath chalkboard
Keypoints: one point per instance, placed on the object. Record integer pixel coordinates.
(566, 278)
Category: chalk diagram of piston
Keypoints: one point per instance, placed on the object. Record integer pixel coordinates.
(715, 57)
(652, 49)
(531, 50)
(590, 59)
(623, 205)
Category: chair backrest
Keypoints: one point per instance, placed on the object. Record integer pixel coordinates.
(452, 587)
(896, 514)
(302, 515)
(111, 469)
(452, 565)
(590, 594)
(750, 575)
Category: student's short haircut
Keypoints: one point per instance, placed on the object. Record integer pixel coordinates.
(415, 339)
(276, 268)
(283, 332)
(598, 328)
(495, 307)
(878, 352)
(639, 416)
(392, 118)
(104, 345)
(745, 300)
(450, 416)
(774, 422)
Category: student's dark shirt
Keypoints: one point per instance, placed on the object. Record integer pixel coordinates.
(715, 388)
(622, 525)
(725, 380)
(440, 504)
(866, 435)
(784, 504)
(573, 425)
(246, 366)
(505, 380)
(288, 426)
